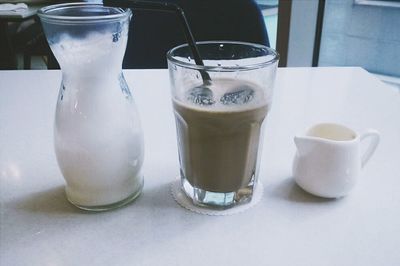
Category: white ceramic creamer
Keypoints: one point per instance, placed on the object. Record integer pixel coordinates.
(328, 160)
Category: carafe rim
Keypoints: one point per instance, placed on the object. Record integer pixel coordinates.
(95, 13)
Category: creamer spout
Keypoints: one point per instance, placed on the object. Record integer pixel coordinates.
(303, 144)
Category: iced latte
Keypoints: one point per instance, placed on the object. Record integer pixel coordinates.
(219, 120)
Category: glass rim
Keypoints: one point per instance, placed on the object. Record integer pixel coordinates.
(275, 57)
(45, 13)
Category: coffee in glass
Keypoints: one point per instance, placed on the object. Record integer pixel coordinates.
(219, 121)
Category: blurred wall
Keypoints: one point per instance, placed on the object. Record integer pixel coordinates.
(359, 35)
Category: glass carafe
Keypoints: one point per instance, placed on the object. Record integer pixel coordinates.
(97, 133)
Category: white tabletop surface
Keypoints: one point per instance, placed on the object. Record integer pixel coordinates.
(288, 226)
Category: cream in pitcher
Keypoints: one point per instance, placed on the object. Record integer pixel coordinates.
(97, 133)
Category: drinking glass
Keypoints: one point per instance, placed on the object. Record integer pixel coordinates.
(219, 112)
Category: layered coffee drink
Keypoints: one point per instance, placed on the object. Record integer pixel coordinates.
(219, 134)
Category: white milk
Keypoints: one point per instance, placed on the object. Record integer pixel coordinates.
(97, 133)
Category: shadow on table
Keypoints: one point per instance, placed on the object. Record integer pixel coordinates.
(157, 197)
(54, 201)
(51, 201)
(290, 191)
(154, 199)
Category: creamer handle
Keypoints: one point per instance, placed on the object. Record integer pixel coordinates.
(375, 136)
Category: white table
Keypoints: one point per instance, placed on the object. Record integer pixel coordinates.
(288, 226)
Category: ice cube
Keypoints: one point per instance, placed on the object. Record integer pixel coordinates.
(201, 95)
(240, 95)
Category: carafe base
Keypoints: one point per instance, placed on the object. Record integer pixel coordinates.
(111, 206)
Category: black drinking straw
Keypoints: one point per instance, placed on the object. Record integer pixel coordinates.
(166, 7)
